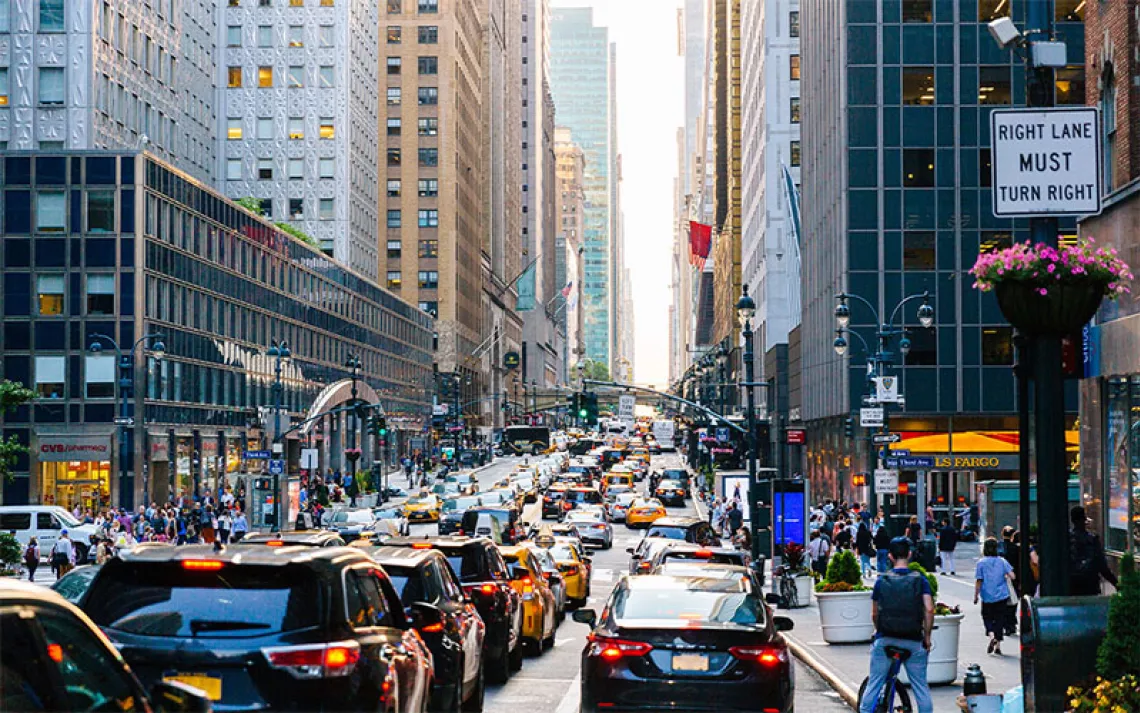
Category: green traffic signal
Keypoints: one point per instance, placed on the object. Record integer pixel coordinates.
(582, 413)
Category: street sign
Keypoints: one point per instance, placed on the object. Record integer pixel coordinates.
(900, 452)
(124, 421)
(796, 436)
(309, 458)
(511, 360)
(887, 389)
(886, 481)
(256, 455)
(722, 434)
(1045, 161)
(910, 463)
(871, 417)
(277, 467)
(881, 439)
(626, 404)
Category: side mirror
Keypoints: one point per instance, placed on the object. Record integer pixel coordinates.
(783, 623)
(586, 616)
(630, 551)
(425, 616)
(773, 598)
(518, 573)
(175, 697)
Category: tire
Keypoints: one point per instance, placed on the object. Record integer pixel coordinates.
(81, 552)
(475, 701)
(902, 705)
(498, 669)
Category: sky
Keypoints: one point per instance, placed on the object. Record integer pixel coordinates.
(651, 99)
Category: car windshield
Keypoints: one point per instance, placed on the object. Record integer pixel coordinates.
(66, 518)
(167, 599)
(719, 601)
(563, 551)
(525, 483)
(460, 503)
(422, 500)
(668, 532)
(408, 584)
(387, 514)
(360, 516)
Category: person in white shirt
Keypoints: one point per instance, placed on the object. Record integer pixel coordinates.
(63, 554)
(819, 550)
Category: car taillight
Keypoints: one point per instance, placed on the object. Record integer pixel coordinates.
(703, 554)
(202, 565)
(315, 660)
(764, 655)
(611, 648)
(488, 589)
(599, 526)
(570, 570)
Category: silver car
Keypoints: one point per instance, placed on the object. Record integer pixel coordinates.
(593, 527)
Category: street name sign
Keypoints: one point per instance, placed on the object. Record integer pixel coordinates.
(910, 463)
(880, 439)
(871, 417)
(886, 481)
(1045, 161)
(256, 455)
(309, 458)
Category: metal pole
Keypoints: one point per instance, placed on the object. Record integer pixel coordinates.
(352, 414)
(276, 440)
(1021, 370)
(126, 493)
(754, 489)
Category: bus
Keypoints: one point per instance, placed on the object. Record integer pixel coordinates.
(526, 440)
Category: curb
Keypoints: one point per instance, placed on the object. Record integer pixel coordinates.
(801, 652)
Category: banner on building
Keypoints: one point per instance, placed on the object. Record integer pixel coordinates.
(700, 243)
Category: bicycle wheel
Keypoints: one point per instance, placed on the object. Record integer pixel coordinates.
(902, 705)
(789, 593)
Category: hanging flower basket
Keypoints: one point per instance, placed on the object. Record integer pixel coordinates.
(1047, 291)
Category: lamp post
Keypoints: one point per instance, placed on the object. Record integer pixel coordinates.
(355, 365)
(745, 311)
(881, 359)
(721, 371)
(125, 385)
(279, 352)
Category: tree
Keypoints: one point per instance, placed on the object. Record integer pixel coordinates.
(299, 234)
(12, 394)
(596, 370)
(253, 205)
(1116, 656)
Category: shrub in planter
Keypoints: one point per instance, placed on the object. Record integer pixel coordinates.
(10, 553)
(843, 574)
(794, 558)
(1117, 687)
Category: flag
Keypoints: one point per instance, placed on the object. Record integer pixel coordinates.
(567, 288)
(700, 241)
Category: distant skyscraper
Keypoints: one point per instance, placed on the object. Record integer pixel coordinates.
(570, 165)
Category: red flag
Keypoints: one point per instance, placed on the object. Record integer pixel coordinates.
(700, 241)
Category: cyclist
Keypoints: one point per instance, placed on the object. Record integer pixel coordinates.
(902, 607)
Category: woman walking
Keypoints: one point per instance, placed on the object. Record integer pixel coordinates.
(32, 558)
(992, 584)
(864, 544)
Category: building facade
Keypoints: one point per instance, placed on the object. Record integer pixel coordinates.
(725, 82)
(123, 245)
(298, 110)
(570, 169)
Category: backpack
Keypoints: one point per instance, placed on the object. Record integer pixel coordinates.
(30, 556)
(1083, 555)
(901, 608)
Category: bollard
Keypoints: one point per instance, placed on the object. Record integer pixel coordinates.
(974, 684)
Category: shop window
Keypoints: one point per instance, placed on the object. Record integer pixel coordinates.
(50, 376)
(918, 251)
(918, 168)
(99, 376)
(100, 294)
(1123, 454)
(49, 292)
(994, 85)
(997, 346)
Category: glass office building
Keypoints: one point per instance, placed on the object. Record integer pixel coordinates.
(123, 245)
(896, 100)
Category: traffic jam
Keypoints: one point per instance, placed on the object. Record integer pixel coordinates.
(581, 563)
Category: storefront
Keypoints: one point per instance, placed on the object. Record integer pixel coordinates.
(158, 467)
(74, 470)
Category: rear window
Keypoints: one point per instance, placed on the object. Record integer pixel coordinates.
(467, 565)
(408, 584)
(584, 496)
(671, 533)
(460, 503)
(714, 558)
(719, 601)
(165, 599)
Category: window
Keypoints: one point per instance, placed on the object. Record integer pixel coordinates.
(296, 77)
(328, 130)
(431, 308)
(49, 376)
(794, 147)
(296, 168)
(51, 212)
(3, 81)
(429, 248)
(1069, 10)
(918, 251)
(326, 35)
(428, 6)
(99, 376)
(985, 175)
(233, 77)
(296, 127)
(394, 280)
(296, 36)
(393, 157)
(993, 9)
(394, 6)
(393, 188)
(429, 157)
(429, 127)
(923, 346)
(100, 211)
(1108, 124)
(428, 34)
(428, 279)
(266, 209)
(394, 219)
(428, 96)
(51, 85)
(395, 248)
(429, 218)
(918, 168)
(794, 66)
(1070, 82)
(265, 169)
(233, 169)
(429, 65)
(328, 208)
(393, 96)
(297, 208)
(233, 36)
(794, 24)
(264, 36)
(264, 127)
(795, 110)
(265, 77)
(233, 129)
(326, 167)
(994, 85)
(51, 15)
(917, 11)
(428, 188)
(393, 34)
(990, 241)
(918, 86)
(997, 346)
(394, 65)
(394, 127)
(327, 74)
(86, 671)
(49, 294)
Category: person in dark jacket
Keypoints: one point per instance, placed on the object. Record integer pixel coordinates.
(842, 536)
(865, 546)
(947, 541)
(1010, 549)
(735, 518)
(1086, 558)
(882, 542)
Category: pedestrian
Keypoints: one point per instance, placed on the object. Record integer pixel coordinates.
(842, 536)
(225, 524)
(209, 525)
(947, 542)
(914, 532)
(993, 578)
(902, 608)
(930, 522)
(1087, 563)
(882, 542)
(32, 558)
(240, 526)
(103, 551)
(864, 545)
(819, 550)
(62, 554)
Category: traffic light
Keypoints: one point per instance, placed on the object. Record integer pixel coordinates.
(576, 405)
(849, 427)
(859, 479)
(589, 409)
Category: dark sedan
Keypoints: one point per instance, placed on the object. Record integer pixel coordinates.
(451, 514)
(670, 492)
(686, 643)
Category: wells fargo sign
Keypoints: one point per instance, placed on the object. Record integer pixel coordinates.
(979, 462)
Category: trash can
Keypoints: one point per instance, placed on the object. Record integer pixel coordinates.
(926, 553)
(1059, 639)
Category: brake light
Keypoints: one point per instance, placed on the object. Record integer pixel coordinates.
(315, 660)
(274, 543)
(202, 565)
(571, 569)
(764, 655)
(488, 589)
(55, 652)
(611, 649)
(527, 585)
(421, 545)
(703, 554)
(599, 527)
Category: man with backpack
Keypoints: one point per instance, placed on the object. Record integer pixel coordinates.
(32, 558)
(1087, 563)
(902, 607)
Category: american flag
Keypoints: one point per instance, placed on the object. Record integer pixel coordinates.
(566, 290)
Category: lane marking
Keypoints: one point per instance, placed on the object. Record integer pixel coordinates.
(573, 698)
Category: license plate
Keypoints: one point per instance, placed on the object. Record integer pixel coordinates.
(690, 662)
(209, 685)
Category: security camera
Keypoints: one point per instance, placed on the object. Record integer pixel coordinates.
(1004, 32)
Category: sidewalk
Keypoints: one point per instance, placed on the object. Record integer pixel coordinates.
(846, 665)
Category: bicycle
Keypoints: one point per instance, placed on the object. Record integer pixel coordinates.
(886, 701)
(786, 587)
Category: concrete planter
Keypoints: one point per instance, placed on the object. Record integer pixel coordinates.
(804, 584)
(942, 659)
(845, 617)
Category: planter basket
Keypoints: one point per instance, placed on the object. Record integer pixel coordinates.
(1067, 307)
(845, 617)
(942, 660)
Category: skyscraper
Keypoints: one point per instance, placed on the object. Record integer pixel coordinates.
(570, 166)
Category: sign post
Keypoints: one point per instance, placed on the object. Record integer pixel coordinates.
(886, 481)
(871, 417)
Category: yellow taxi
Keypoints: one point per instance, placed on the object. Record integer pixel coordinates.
(539, 607)
(424, 507)
(619, 475)
(641, 454)
(643, 512)
(574, 567)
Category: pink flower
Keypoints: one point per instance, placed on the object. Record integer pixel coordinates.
(1052, 268)
(1041, 291)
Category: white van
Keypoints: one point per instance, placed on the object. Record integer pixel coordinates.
(44, 523)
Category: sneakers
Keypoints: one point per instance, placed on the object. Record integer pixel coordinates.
(992, 646)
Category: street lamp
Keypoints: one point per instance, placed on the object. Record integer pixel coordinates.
(745, 311)
(126, 364)
(353, 362)
(279, 352)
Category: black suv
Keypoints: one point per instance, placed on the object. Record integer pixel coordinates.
(426, 584)
(255, 627)
(510, 526)
(484, 577)
(451, 513)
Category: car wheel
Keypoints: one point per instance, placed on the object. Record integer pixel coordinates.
(474, 702)
(499, 668)
(80, 553)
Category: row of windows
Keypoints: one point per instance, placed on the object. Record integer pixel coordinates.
(267, 167)
(51, 293)
(923, 11)
(428, 188)
(283, 3)
(294, 208)
(294, 128)
(46, 211)
(425, 65)
(428, 158)
(423, 7)
(425, 96)
(425, 34)
(427, 218)
(325, 77)
(294, 36)
(428, 280)
(427, 249)
(425, 126)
